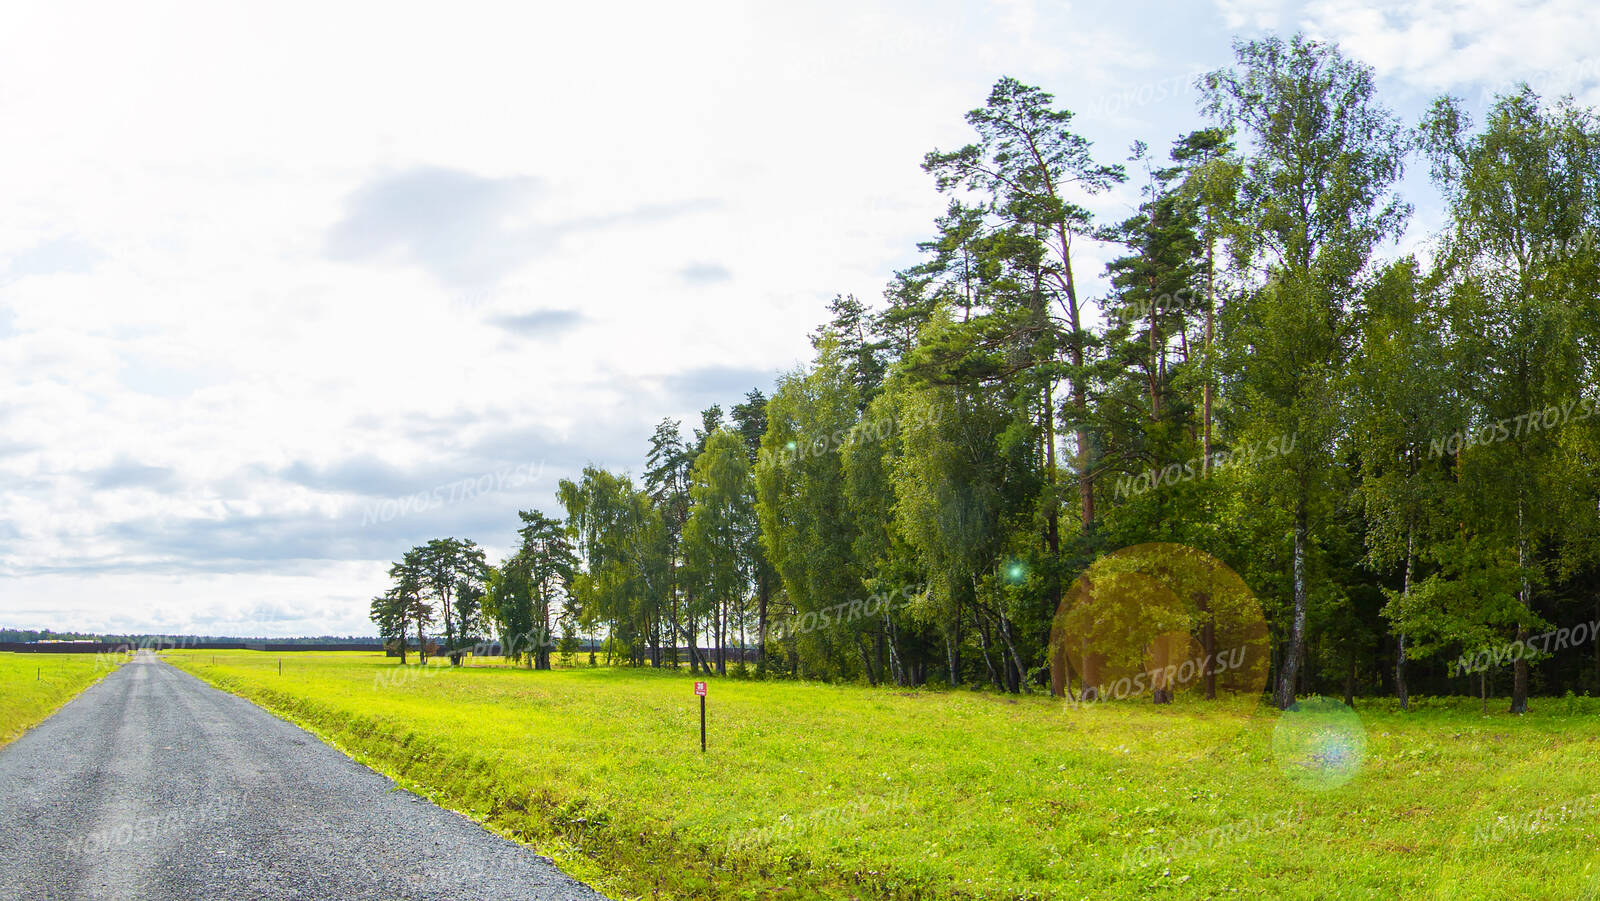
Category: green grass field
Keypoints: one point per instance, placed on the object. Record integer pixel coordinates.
(832, 791)
(33, 686)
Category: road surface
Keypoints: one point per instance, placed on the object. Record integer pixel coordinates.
(152, 784)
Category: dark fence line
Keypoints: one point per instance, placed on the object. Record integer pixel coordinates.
(65, 647)
(111, 647)
(585, 647)
(484, 649)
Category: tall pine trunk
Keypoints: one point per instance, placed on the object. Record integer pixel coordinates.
(1297, 630)
(1161, 656)
(449, 627)
(725, 639)
(761, 635)
(1016, 659)
(1350, 683)
(688, 636)
(672, 599)
(1208, 647)
(895, 664)
(1206, 389)
(983, 645)
(1519, 669)
(1052, 537)
(1400, 646)
(952, 649)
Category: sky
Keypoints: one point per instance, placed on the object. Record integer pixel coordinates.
(286, 290)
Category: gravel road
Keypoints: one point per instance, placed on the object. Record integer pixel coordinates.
(152, 784)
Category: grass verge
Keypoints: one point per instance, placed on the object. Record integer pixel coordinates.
(33, 686)
(833, 791)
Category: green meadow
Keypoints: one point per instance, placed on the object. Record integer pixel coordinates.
(813, 790)
(33, 686)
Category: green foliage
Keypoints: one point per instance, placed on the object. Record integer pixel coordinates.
(719, 532)
(1354, 436)
(444, 565)
(622, 541)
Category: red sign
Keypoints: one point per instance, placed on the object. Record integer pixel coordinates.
(700, 689)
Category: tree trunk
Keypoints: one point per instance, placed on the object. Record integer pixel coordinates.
(952, 644)
(1400, 689)
(541, 651)
(694, 656)
(1093, 664)
(895, 665)
(1519, 678)
(1052, 537)
(449, 629)
(761, 635)
(1519, 668)
(1016, 659)
(953, 659)
(1078, 379)
(672, 601)
(1297, 632)
(1211, 306)
(1058, 668)
(716, 636)
(697, 661)
(1400, 646)
(1153, 379)
(983, 645)
(880, 655)
(1160, 657)
(866, 660)
(1350, 683)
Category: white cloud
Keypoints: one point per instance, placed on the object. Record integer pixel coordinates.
(1472, 48)
(1259, 15)
(264, 267)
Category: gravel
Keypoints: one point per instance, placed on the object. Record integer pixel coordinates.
(152, 784)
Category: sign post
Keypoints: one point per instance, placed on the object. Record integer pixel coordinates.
(700, 689)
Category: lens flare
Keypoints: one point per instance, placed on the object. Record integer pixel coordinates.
(1153, 620)
(1319, 743)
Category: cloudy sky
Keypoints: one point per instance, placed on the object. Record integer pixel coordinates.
(284, 291)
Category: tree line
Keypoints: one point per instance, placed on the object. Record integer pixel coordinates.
(1399, 455)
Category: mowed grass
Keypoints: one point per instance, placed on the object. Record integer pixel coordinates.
(33, 686)
(814, 790)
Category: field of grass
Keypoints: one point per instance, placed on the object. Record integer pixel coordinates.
(832, 791)
(33, 686)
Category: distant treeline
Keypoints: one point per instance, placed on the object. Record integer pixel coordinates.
(1398, 455)
(154, 640)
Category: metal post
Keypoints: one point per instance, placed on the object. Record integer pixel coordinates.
(702, 724)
